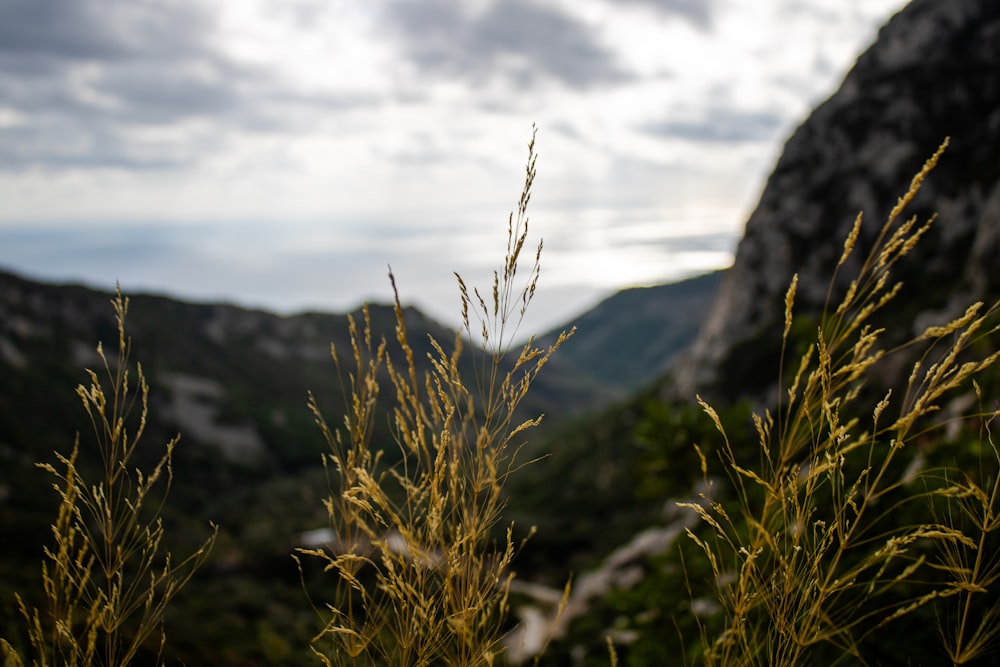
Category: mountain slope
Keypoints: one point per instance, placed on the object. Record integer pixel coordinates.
(931, 74)
(632, 337)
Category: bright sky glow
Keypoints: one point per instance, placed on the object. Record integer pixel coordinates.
(282, 154)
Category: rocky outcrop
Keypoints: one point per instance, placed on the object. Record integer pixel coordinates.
(934, 72)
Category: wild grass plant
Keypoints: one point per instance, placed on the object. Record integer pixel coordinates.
(839, 530)
(967, 623)
(421, 577)
(107, 577)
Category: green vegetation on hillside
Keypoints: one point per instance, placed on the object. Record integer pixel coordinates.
(629, 340)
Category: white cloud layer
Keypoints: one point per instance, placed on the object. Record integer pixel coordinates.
(281, 154)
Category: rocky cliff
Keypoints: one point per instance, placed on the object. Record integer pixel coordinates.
(934, 72)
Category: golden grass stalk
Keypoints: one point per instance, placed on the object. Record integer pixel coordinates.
(808, 554)
(421, 578)
(107, 578)
(972, 568)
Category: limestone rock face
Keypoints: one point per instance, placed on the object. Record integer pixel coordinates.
(934, 72)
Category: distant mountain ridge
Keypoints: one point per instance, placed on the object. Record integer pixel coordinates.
(620, 345)
(226, 376)
(633, 337)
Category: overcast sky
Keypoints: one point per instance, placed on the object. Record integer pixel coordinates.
(280, 153)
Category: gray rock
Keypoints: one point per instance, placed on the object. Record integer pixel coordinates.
(933, 72)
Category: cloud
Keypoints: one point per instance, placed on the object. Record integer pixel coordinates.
(718, 124)
(698, 12)
(82, 76)
(524, 43)
(100, 30)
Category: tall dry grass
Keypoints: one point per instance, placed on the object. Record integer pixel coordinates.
(838, 531)
(107, 578)
(421, 578)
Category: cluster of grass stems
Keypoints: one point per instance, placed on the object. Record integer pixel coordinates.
(422, 579)
(811, 558)
(106, 578)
